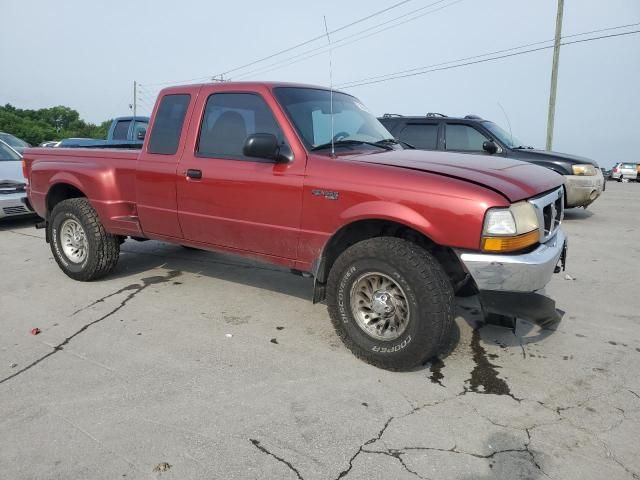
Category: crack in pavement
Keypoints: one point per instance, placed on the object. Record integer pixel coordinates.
(134, 290)
(258, 445)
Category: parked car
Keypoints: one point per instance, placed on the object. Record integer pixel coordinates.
(49, 144)
(306, 178)
(13, 195)
(624, 171)
(124, 132)
(583, 179)
(14, 142)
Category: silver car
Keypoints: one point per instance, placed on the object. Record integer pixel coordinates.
(624, 171)
(14, 142)
(12, 184)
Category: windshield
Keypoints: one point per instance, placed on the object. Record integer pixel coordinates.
(504, 137)
(13, 141)
(7, 153)
(310, 111)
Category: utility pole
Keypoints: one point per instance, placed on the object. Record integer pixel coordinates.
(554, 76)
(135, 98)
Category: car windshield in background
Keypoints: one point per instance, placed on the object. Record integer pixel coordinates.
(629, 165)
(310, 111)
(7, 153)
(14, 142)
(505, 137)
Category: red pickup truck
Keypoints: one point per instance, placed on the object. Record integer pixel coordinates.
(307, 178)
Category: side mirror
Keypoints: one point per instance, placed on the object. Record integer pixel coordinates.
(265, 145)
(141, 134)
(490, 147)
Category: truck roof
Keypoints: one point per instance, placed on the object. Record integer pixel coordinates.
(246, 85)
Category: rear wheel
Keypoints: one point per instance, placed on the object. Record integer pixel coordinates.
(390, 302)
(79, 243)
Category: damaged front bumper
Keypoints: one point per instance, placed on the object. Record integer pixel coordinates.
(513, 285)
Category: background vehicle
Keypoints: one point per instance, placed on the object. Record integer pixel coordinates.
(13, 193)
(124, 132)
(307, 179)
(624, 170)
(583, 179)
(14, 142)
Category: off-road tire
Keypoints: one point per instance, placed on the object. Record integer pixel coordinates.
(103, 248)
(429, 295)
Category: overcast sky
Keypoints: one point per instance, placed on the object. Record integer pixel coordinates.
(86, 55)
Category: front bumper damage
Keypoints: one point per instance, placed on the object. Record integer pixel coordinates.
(513, 285)
(583, 190)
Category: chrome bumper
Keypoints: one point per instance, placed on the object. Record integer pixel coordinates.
(528, 272)
(13, 204)
(583, 190)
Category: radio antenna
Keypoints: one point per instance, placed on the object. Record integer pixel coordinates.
(508, 122)
(326, 30)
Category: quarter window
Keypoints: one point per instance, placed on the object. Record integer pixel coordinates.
(228, 119)
(421, 135)
(464, 138)
(167, 126)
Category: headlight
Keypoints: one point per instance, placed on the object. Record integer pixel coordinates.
(584, 170)
(510, 229)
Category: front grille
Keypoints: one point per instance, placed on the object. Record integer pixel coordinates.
(15, 210)
(550, 210)
(8, 187)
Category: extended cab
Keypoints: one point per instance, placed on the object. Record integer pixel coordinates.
(308, 179)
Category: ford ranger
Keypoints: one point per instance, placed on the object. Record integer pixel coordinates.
(308, 179)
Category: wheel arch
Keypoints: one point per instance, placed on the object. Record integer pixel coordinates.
(366, 228)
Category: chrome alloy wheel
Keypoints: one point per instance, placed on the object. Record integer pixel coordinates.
(379, 306)
(73, 241)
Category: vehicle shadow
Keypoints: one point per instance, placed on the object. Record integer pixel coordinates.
(139, 258)
(17, 222)
(577, 214)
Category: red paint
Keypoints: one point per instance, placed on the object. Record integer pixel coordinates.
(267, 210)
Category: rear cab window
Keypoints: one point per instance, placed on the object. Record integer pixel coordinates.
(168, 123)
(121, 130)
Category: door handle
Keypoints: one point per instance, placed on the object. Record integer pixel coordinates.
(193, 173)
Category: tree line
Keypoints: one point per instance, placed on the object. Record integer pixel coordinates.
(45, 124)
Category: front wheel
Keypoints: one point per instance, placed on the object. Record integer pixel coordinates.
(79, 243)
(390, 302)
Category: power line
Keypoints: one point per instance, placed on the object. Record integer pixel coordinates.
(288, 49)
(319, 37)
(343, 41)
(429, 69)
(496, 52)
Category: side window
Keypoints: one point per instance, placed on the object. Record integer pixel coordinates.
(421, 135)
(137, 128)
(227, 121)
(167, 126)
(121, 130)
(464, 138)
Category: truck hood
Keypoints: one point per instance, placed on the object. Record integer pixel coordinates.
(532, 154)
(513, 179)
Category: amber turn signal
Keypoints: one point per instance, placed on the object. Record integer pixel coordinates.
(510, 243)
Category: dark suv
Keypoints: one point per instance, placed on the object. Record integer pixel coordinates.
(472, 134)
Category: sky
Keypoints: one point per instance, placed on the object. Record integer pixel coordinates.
(87, 54)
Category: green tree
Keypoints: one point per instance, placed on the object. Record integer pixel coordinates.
(55, 123)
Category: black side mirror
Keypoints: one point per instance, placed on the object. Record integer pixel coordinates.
(141, 134)
(265, 145)
(490, 147)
